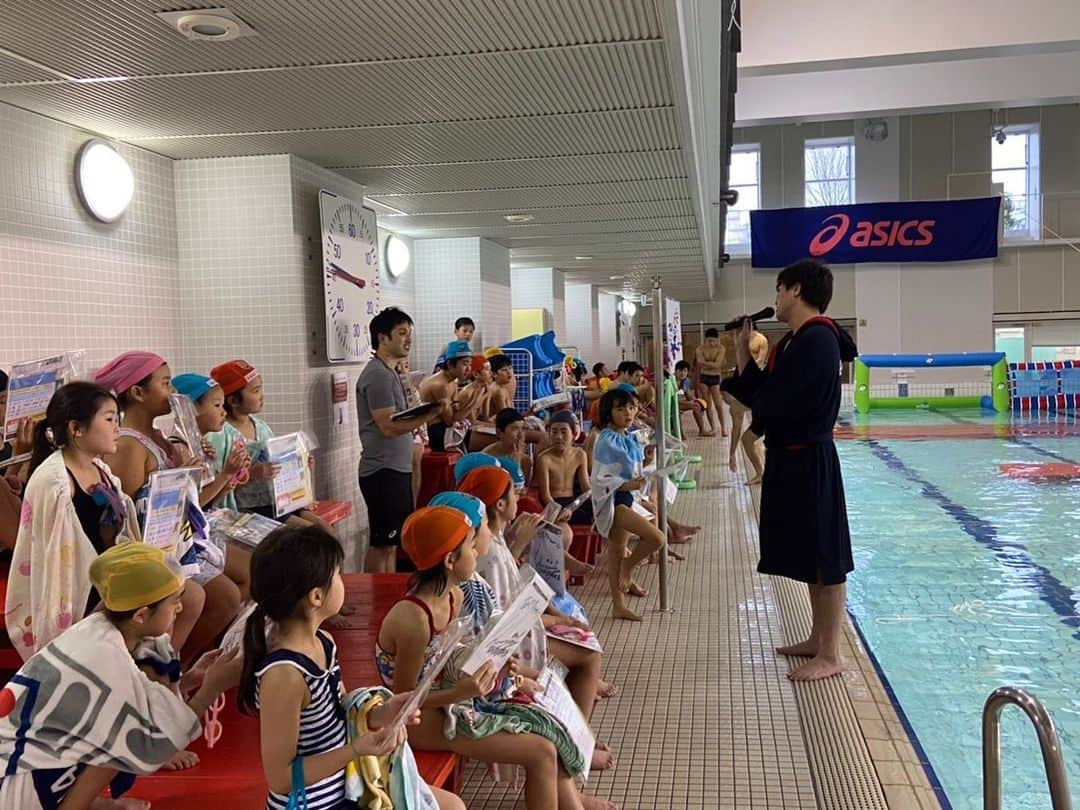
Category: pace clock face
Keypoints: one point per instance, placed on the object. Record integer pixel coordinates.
(350, 276)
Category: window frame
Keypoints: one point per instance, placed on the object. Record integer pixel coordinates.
(742, 215)
(1031, 229)
(822, 143)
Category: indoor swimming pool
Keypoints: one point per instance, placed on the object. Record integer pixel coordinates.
(967, 579)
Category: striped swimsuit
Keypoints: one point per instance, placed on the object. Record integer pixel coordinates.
(322, 723)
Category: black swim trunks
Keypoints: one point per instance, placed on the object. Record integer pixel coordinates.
(710, 380)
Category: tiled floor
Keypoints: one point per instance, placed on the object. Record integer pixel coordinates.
(705, 717)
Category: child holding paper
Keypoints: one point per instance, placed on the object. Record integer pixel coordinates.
(492, 485)
(142, 382)
(616, 474)
(242, 386)
(440, 541)
(56, 750)
(293, 679)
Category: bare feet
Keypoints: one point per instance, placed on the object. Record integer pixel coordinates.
(815, 669)
(596, 803)
(101, 803)
(181, 761)
(675, 555)
(577, 567)
(710, 435)
(808, 648)
(753, 482)
(606, 689)
(679, 537)
(732, 465)
(624, 613)
(602, 758)
(636, 590)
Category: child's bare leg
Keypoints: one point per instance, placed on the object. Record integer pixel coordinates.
(736, 431)
(192, 601)
(221, 606)
(87, 787)
(238, 569)
(717, 398)
(616, 557)
(447, 800)
(754, 453)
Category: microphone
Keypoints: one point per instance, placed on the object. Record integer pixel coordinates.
(760, 315)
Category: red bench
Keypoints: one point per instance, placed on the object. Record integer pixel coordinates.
(436, 474)
(232, 771)
(10, 660)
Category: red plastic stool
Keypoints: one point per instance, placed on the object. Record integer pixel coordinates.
(331, 511)
(585, 546)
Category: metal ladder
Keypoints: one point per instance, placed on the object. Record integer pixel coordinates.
(1048, 741)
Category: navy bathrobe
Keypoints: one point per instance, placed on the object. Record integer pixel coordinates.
(795, 400)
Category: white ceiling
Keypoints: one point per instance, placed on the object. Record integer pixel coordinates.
(799, 64)
(452, 112)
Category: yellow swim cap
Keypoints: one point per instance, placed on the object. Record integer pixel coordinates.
(491, 351)
(604, 383)
(133, 575)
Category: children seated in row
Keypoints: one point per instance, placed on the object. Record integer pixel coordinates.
(142, 382)
(562, 470)
(292, 678)
(441, 542)
(56, 751)
(499, 568)
(510, 432)
(618, 458)
(445, 386)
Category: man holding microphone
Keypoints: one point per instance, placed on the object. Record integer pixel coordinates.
(795, 400)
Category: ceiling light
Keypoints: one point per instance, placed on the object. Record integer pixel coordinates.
(398, 255)
(615, 278)
(517, 218)
(104, 180)
(582, 258)
(628, 307)
(207, 25)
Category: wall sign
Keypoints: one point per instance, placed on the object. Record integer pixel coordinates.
(938, 231)
(350, 276)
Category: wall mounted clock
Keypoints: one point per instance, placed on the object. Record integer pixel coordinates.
(350, 249)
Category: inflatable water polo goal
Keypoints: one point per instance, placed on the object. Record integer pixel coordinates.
(997, 399)
(1045, 387)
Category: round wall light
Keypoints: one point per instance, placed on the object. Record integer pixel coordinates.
(104, 180)
(398, 256)
(628, 307)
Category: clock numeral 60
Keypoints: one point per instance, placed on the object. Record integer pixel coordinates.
(356, 330)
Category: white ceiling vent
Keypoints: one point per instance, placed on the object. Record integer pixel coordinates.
(207, 25)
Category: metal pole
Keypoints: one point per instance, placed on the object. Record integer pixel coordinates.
(659, 337)
(1056, 776)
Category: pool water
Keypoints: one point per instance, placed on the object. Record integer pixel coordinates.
(966, 580)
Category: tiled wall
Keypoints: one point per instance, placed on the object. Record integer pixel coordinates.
(250, 255)
(558, 281)
(68, 281)
(582, 321)
(494, 326)
(448, 287)
(541, 287)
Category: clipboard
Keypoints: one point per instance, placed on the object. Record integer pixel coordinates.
(423, 409)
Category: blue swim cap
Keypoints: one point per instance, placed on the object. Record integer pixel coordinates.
(512, 467)
(625, 386)
(193, 386)
(470, 462)
(469, 505)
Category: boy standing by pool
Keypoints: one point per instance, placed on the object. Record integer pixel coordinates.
(795, 400)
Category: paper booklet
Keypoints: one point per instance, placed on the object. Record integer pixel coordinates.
(293, 485)
(556, 700)
(246, 529)
(186, 427)
(446, 642)
(506, 631)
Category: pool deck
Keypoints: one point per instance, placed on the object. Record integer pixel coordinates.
(705, 717)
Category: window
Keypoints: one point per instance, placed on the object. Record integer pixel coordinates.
(830, 171)
(744, 177)
(1010, 340)
(1014, 163)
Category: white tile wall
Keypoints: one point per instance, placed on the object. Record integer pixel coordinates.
(250, 251)
(558, 281)
(494, 327)
(447, 287)
(68, 281)
(580, 321)
(541, 287)
(607, 347)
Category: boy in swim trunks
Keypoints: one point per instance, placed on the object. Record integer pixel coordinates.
(697, 407)
(759, 350)
(710, 358)
(562, 471)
